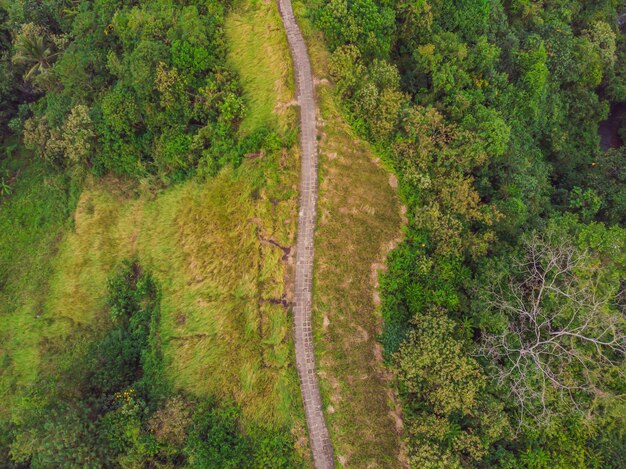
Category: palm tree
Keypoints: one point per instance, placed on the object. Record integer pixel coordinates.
(32, 50)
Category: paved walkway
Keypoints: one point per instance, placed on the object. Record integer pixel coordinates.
(303, 331)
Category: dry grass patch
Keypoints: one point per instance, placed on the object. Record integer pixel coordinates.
(361, 217)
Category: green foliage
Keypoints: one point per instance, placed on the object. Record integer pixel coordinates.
(346, 69)
(216, 439)
(150, 81)
(364, 23)
(33, 217)
(433, 366)
(587, 202)
(611, 183)
(488, 111)
(87, 415)
(417, 280)
(451, 418)
(33, 51)
(7, 81)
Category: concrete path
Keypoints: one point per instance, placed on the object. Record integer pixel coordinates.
(303, 331)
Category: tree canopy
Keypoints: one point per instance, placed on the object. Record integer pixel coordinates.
(503, 308)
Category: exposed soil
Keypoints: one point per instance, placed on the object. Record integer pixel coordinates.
(190, 337)
(609, 129)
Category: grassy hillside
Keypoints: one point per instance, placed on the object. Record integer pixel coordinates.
(359, 221)
(219, 249)
(203, 242)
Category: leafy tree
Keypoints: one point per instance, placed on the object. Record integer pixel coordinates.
(606, 176)
(153, 76)
(437, 159)
(346, 69)
(78, 135)
(602, 36)
(57, 433)
(455, 418)
(360, 22)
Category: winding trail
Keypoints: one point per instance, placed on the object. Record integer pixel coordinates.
(303, 330)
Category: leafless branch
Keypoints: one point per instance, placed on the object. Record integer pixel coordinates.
(560, 331)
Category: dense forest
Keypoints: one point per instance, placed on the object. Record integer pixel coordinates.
(504, 306)
(139, 89)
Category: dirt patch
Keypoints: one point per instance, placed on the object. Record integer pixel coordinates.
(277, 301)
(281, 107)
(376, 267)
(335, 395)
(189, 337)
(362, 334)
(320, 81)
(286, 249)
(397, 418)
(376, 298)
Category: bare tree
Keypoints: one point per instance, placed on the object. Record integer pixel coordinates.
(564, 330)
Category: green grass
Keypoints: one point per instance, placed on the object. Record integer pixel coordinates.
(259, 52)
(222, 336)
(33, 220)
(200, 241)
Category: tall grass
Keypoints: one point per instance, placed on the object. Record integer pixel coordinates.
(33, 220)
(258, 50)
(201, 244)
